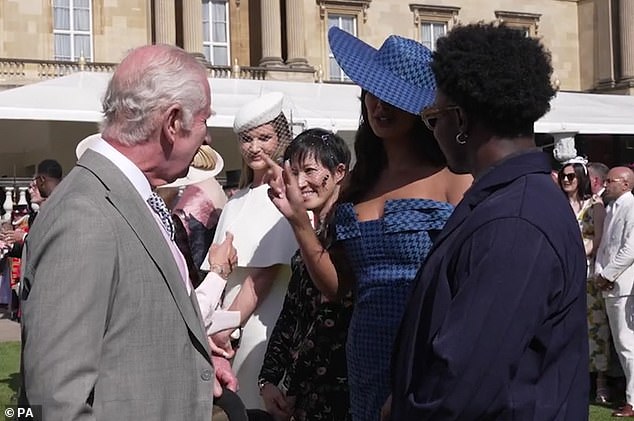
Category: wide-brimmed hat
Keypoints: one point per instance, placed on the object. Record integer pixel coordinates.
(207, 163)
(398, 73)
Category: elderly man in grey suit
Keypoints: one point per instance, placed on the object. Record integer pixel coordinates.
(112, 329)
(615, 273)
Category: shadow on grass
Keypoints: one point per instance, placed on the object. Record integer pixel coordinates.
(13, 383)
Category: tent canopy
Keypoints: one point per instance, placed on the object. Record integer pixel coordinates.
(588, 114)
(77, 97)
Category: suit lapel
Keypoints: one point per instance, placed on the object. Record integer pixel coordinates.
(138, 217)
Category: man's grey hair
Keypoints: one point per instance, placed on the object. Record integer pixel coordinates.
(598, 169)
(134, 101)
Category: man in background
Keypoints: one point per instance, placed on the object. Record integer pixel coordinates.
(614, 273)
(598, 172)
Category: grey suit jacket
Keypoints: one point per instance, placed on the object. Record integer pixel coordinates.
(109, 332)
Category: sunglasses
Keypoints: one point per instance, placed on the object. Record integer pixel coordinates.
(612, 180)
(430, 114)
(570, 177)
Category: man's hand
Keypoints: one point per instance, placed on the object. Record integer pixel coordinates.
(224, 376)
(18, 236)
(276, 403)
(223, 257)
(602, 283)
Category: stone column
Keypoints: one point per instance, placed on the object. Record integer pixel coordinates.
(295, 34)
(626, 21)
(271, 37)
(165, 22)
(193, 27)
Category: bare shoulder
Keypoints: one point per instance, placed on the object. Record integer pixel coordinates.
(456, 185)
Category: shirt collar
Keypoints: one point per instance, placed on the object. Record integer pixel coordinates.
(127, 167)
(622, 199)
(506, 171)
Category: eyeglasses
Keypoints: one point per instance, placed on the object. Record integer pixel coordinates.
(570, 177)
(612, 180)
(430, 114)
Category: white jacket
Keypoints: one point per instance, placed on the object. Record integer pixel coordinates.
(615, 256)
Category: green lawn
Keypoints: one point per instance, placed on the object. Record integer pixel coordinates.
(10, 365)
(9, 368)
(600, 413)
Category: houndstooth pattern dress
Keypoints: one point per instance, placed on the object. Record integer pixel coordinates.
(385, 255)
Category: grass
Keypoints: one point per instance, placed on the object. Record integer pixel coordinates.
(601, 413)
(10, 366)
(9, 369)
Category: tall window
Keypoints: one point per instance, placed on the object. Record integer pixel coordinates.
(349, 24)
(216, 31)
(72, 29)
(430, 32)
(433, 22)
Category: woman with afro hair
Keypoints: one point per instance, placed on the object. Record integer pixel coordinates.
(495, 328)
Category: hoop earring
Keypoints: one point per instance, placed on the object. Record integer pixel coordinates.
(461, 138)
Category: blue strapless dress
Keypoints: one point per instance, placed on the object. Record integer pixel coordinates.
(385, 255)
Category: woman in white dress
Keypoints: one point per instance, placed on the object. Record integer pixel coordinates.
(264, 242)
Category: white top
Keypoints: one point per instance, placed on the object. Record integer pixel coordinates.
(261, 235)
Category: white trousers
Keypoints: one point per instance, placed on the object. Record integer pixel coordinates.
(621, 317)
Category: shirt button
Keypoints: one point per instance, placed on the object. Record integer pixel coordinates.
(205, 375)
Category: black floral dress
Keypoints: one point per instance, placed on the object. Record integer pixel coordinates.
(306, 355)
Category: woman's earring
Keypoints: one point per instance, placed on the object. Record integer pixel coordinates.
(461, 138)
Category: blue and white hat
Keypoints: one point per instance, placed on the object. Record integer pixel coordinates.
(398, 73)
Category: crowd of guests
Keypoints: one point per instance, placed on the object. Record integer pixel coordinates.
(15, 226)
(442, 277)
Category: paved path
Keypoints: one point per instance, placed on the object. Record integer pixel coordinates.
(9, 330)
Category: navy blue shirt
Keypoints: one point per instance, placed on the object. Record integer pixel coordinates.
(496, 325)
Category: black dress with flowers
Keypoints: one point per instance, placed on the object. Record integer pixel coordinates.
(306, 354)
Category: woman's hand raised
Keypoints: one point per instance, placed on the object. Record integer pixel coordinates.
(284, 190)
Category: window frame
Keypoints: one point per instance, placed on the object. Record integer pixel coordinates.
(355, 9)
(71, 32)
(529, 22)
(212, 43)
(433, 14)
(355, 23)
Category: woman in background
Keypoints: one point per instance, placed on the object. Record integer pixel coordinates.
(590, 212)
(264, 242)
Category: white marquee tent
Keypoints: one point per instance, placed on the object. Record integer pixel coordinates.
(53, 115)
(334, 106)
(77, 98)
(31, 115)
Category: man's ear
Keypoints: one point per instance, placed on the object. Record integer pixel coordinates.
(340, 173)
(172, 122)
(463, 120)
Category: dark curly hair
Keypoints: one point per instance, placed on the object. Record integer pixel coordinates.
(498, 75)
(372, 159)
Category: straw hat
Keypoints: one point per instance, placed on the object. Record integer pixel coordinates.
(207, 164)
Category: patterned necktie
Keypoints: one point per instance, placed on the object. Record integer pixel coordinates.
(158, 206)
